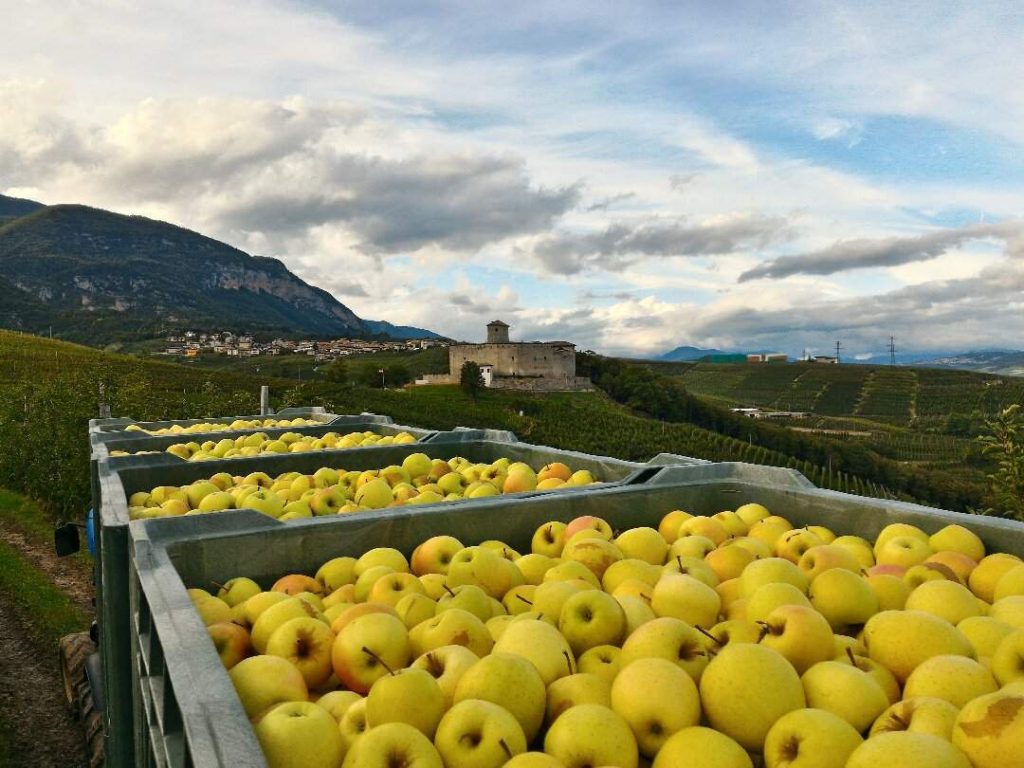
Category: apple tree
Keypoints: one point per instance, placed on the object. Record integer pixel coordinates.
(1005, 445)
(471, 380)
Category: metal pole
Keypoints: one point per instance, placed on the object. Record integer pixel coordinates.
(382, 378)
(264, 400)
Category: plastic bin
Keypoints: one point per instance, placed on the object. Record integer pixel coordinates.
(190, 714)
(101, 430)
(118, 478)
(341, 424)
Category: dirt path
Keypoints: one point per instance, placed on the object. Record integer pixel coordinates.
(32, 699)
(64, 573)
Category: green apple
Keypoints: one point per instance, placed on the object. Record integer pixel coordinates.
(300, 732)
(956, 538)
(447, 665)
(657, 699)
(571, 570)
(644, 544)
(410, 696)
(485, 568)
(637, 612)
(985, 577)
(392, 587)
(510, 682)
(690, 546)
(746, 688)
(262, 681)
(415, 608)
(468, 597)
(846, 691)
(800, 634)
(338, 702)
(810, 738)
(550, 597)
(901, 640)
(1008, 658)
(533, 566)
(479, 734)
(216, 502)
(306, 643)
(590, 618)
(434, 555)
(905, 551)
(327, 501)
(592, 735)
(843, 598)
(231, 641)
(892, 591)
(990, 729)
(957, 679)
(238, 590)
(768, 597)
(393, 744)
(451, 627)
(337, 572)
(903, 749)
(700, 747)
(947, 599)
(541, 644)
(602, 661)
(860, 549)
(368, 648)
(670, 639)
(197, 491)
(275, 616)
(1009, 610)
(793, 544)
(573, 690)
(885, 679)
(686, 598)
(728, 561)
(533, 760)
(918, 715)
(769, 570)
(593, 552)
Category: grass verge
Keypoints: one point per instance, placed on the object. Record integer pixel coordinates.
(50, 612)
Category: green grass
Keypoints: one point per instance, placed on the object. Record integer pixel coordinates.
(51, 612)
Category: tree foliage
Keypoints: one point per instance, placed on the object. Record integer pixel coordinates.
(471, 379)
(1005, 445)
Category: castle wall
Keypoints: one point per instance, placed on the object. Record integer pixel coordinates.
(556, 361)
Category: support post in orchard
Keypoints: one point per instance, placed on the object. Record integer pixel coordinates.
(104, 405)
(264, 400)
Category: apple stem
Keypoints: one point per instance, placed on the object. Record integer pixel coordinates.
(709, 635)
(568, 661)
(217, 584)
(505, 747)
(378, 659)
(853, 659)
(528, 602)
(448, 590)
(765, 629)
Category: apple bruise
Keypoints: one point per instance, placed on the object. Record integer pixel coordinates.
(434, 666)
(790, 749)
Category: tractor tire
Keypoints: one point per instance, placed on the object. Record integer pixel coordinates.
(73, 652)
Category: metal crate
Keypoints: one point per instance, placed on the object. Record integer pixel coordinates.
(189, 714)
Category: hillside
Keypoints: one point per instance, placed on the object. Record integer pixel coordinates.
(14, 207)
(48, 391)
(95, 276)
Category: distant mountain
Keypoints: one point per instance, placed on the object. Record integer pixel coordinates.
(399, 331)
(1007, 362)
(14, 207)
(684, 354)
(96, 276)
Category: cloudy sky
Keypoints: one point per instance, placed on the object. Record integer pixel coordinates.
(628, 176)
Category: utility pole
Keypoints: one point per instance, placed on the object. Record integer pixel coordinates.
(839, 346)
(892, 350)
(381, 372)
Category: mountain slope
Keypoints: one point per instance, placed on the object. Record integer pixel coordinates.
(96, 276)
(14, 207)
(684, 354)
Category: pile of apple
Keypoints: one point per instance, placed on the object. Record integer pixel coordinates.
(711, 642)
(237, 424)
(291, 495)
(256, 443)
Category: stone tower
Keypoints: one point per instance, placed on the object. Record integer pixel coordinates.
(497, 332)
